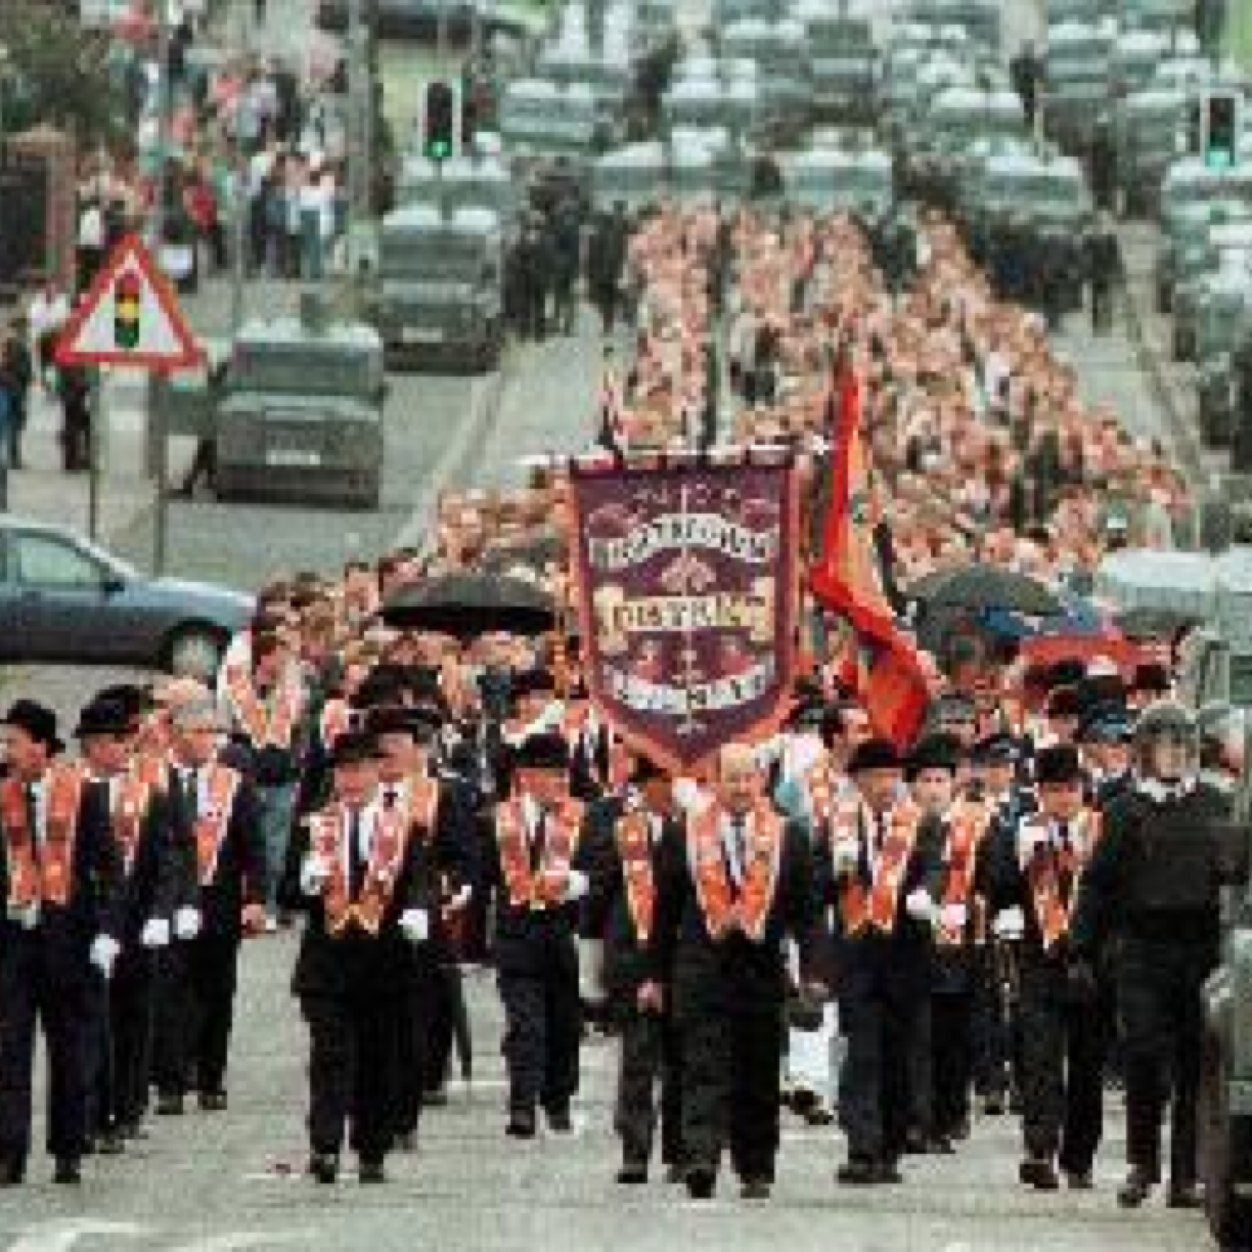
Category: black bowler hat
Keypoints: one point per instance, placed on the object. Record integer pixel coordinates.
(997, 749)
(645, 770)
(37, 720)
(352, 748)
(542, 751)
(422, 723)
(937, 751)
(136, 699)
(874, 754)
(1057, 764)
(1064, 702)
(104, 717)
(533, 682)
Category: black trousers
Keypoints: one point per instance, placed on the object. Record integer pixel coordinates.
(196, 1013)
(352, 1042)
(994, 1034)
(412, 1048)
(876, 1098)
(130, 1036)
(1062, 1069)
(729, 1088)
(1158, 989)
(649, 1054)
(447, 1027)
(34, 992)
(541, 1036)
(951, 1066)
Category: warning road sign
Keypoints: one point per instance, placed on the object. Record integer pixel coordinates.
(130, 316)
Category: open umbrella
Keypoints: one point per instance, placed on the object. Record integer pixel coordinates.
(982, 587)
(469, 604)
(1155, 623)
(536, 551)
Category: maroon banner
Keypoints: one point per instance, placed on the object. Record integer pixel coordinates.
(685, 577)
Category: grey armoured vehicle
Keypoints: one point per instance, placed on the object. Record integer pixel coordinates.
(438, 296)
(299, 412)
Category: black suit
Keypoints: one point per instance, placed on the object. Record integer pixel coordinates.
(353, 988)
(884, 991)
(196, 1000)
(727, 999)
(649, 1042)
(46, 976)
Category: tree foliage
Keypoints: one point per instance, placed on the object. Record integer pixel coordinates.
(58, 72)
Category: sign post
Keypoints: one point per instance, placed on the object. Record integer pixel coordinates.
(130, 318)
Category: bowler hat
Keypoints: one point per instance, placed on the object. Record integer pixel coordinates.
(1057, 764)
(353, 747)
(937, 751)
(104, 717)
(542, 751)
(874, 754)
(37, 720)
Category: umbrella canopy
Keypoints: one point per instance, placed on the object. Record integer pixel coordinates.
(982, 587)
(536, 551)
(469, 604)
(1156, 623)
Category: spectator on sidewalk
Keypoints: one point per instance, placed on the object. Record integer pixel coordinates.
(48, 311)
(91, 240)
(75, 434)
(17, 373)
(6, 424)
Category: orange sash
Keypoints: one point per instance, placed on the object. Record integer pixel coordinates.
(423, 804)
(130, 805)
(967, 823)
(822, 792)
(546, 888)
(152, 769)
(211, 825)
(328, 831)
(268, 724)
(634, 847)
(763, 854)
(44, 877)
(1044, 877)
(876, 907)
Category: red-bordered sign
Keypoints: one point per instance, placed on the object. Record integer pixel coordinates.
(130, 316)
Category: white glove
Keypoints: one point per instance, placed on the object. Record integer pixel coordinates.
(1009, 923)
(576, 885)
(187, 923)
(104, 950)
(1029, 840)
(845, 855)
(155, 933)
(26, 916)
(590, 970)
(461, 899)
(919, 905)
(416, 925)
(313, 875)
(952, 917)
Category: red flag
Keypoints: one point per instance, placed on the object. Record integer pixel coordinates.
(846, 580)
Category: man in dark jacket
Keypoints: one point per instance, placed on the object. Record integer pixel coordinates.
(368, 883)
(726, 902)
(60, 877)
(222, 889)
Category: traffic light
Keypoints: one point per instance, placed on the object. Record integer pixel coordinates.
(439, 121)
(1220, 122)
(126, 301)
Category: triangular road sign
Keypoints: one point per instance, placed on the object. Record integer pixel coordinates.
(130, 316)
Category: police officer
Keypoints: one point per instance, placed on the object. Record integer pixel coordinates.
(1154, 880)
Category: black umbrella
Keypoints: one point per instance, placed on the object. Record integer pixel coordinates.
(471, 603)
(977, 587)
(536, 551)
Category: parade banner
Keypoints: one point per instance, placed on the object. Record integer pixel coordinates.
(685, 577)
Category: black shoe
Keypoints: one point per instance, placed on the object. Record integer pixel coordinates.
(993, 1106)
(1079, 1180)
(406, 1141)
(324, 1167)
(755, 1189)
(802, 1100)
(521, 1124)
(1136, 1189)
(1184, 1195)
(914, 1143)
(559, 1122)
(960, 1132)
(939, 1145)
(12, 1171)
(857, 1172)
(111, 1143)
(1040, 1173)
(436, 1098)
(213, 1101)
(888, 1171)
(701, 1183)
(68, 1171)
(676, 1174)
(369, 1172)
(169, 1105)
(632, 1175)
(818, 1115)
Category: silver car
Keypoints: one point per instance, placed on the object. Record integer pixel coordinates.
(62, 599)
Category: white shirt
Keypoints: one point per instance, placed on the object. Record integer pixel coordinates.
(91, 228)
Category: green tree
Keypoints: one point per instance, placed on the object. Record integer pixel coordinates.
(58, 72)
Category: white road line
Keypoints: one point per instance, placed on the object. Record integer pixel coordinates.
(242, 1239)
(61, 1236)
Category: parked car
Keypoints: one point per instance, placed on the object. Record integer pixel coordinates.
(62, 599)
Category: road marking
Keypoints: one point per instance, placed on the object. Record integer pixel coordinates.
(61, 1236)
(242, 1239)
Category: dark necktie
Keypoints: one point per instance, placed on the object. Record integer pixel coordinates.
(32, 817)
(538, 842)
(390, 795)
(356, 861)
(740, 868)
(1065, 861)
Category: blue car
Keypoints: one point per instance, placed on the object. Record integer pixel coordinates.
(64, 600)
